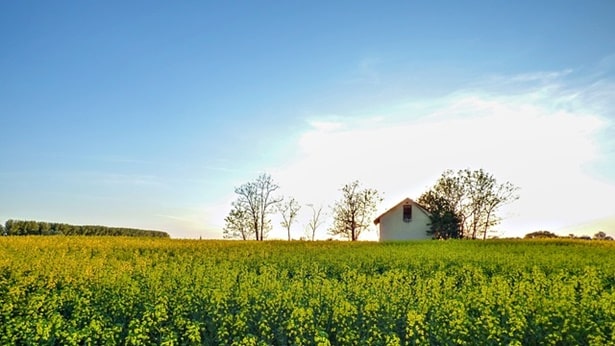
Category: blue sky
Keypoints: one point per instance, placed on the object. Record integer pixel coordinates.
(148, 114)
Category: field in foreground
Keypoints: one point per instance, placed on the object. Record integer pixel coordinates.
(69, 291)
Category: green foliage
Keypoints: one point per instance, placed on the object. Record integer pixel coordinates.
(444, 223)
(19, 227)
(602, 236)
(465, 203)
(541, 235)
(146, 291)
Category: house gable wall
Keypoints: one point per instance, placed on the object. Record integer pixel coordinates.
(392, 226)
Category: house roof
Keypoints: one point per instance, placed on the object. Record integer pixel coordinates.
(404, 201)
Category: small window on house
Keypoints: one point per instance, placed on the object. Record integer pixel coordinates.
(408, 213)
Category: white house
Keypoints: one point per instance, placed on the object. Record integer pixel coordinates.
(405, 221)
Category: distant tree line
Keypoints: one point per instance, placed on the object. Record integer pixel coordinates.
(21, 227)
(549, 235)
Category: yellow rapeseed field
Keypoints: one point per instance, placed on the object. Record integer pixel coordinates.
(61, 290)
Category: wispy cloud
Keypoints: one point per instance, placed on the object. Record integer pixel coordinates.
(542, 76)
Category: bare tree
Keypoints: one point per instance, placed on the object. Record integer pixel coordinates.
(315, 221)
(289, 210)
(256, 198)
(497, 197)
(352, 214)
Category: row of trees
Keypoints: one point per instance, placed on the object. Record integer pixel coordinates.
(463, 204)
(249, 217)
(21, 227)
(550, 235)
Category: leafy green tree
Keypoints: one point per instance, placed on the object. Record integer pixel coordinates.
(31, 227)
(352, 214)
(468, 198)
(44, 228)
(12, 227)
(444, 222)
(62, 228)
(289, 211)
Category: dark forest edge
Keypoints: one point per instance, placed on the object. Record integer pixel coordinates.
(22, 227)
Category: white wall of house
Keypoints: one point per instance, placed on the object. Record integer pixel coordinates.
(393, 227)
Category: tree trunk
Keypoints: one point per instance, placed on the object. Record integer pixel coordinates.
(487, 223)
(262, 230)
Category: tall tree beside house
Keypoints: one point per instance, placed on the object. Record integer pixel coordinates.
(445, 202)
(444, 222)
(289, 210)
(352, 214)
(468, 198)
(257, 200)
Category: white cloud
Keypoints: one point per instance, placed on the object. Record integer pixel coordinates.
(326, 125)
(535, 139)
(534, 130)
